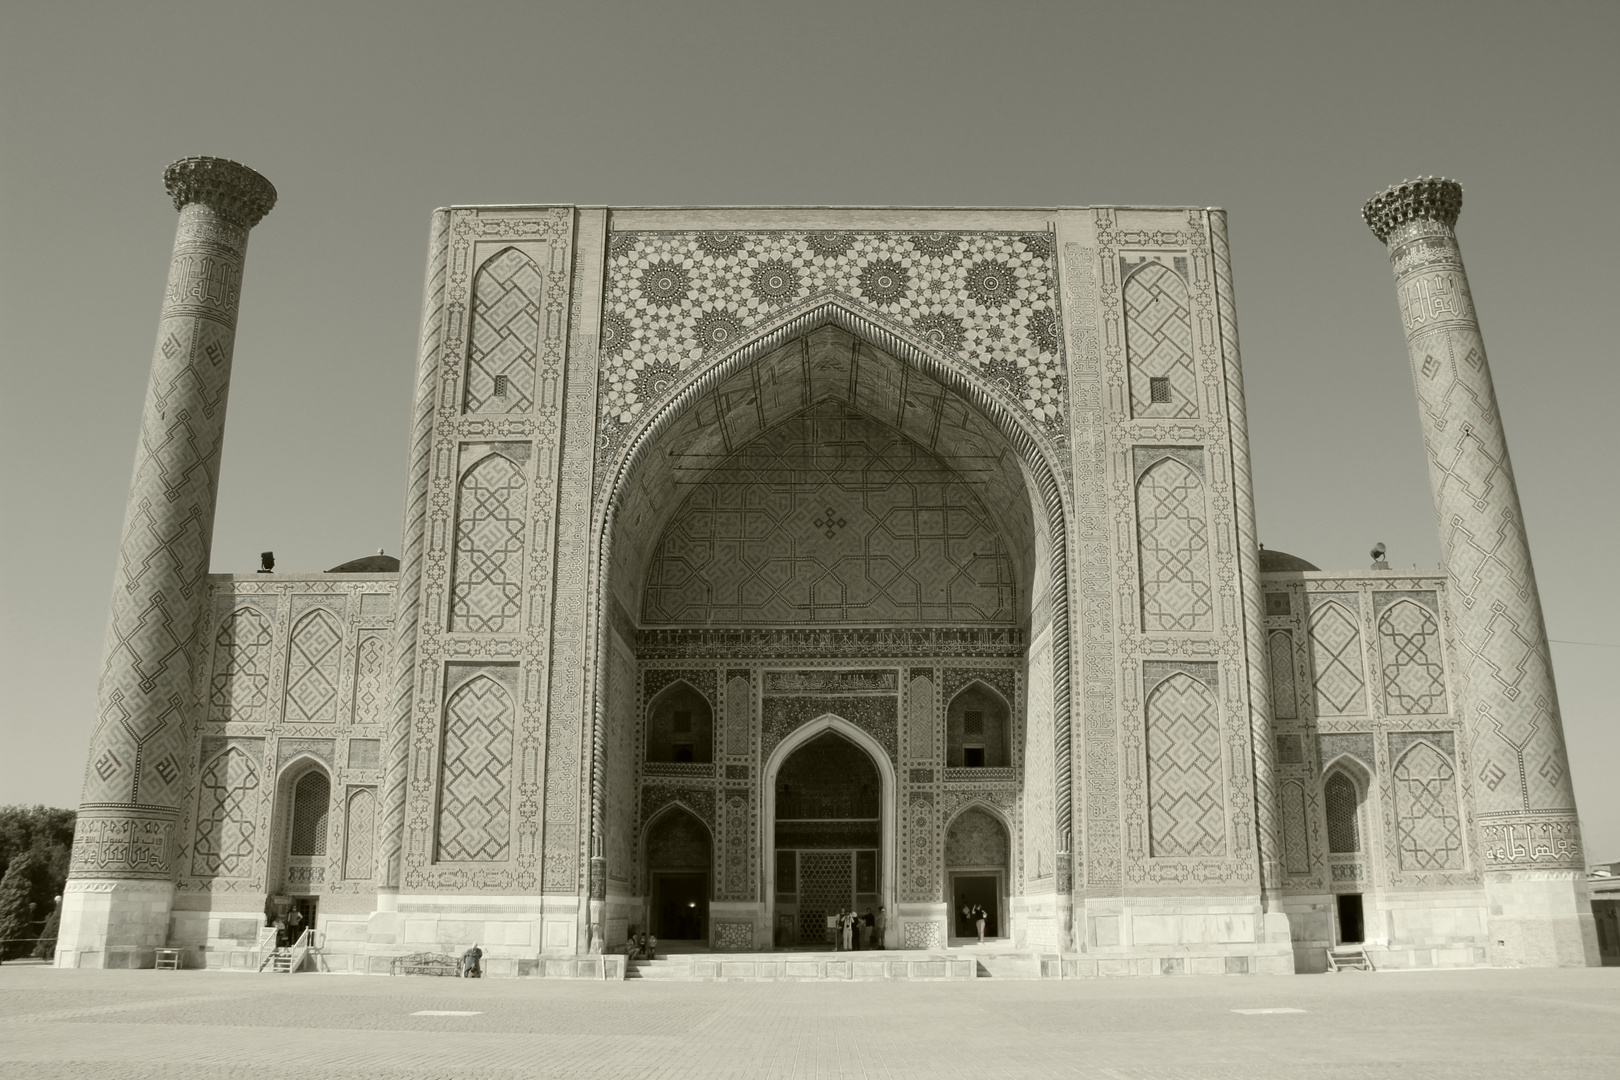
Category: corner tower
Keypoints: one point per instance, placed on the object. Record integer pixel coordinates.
(116, 907)
(1528, 831)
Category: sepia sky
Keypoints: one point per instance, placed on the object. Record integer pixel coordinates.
(367, 116)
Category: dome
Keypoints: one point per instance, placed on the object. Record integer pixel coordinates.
(374, 564)
(1273, 562)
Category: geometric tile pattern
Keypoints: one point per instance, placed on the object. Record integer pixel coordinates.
(1159, 339)
(1426, 816)
(1174, 549)
(313, 669)
(1186, 812)
(370, 671)
(1414, 681)
(1284, 705)
(831, 517)
(826, 886)
(920, 716)
(359, 836)
(1343, 802)
(976, 839)
(486, 592)
(1296, 846)
(739, 714)
(309, 814)
(227, 805)
(241, 665)
(675, 299)
(1336, 656)
(475, 778)
(1517, 751)
(505, 335)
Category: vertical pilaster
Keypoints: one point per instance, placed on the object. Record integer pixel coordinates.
(1534, 865)
(116, 909)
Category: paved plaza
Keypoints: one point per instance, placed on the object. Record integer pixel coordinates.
(185, 1025)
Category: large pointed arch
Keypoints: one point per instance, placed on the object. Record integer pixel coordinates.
(1036, 461)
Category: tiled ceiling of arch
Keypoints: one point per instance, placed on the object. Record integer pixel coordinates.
(831, 517)
(675, 300)
(940, 430)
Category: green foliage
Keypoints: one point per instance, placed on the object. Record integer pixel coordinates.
(35, 845)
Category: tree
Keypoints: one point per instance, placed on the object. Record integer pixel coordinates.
(35, 846)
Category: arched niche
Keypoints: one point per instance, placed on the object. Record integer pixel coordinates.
(680, 725)
(828, 742)
(302, 833)
(978, 729)
(1343, 796)
(978, 869)
(679, 854)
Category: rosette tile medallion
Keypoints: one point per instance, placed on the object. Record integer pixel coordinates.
(760, 564)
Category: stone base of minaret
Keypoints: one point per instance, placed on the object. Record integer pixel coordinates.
(113, 924)
(1540, 918)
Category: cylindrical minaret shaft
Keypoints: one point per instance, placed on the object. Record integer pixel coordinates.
(1524, 801)
(116, 908)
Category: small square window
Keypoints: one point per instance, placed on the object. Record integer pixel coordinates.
(1159, 389)
(973, 757)
(682, 751)
(973, 723)
(1276, 603)
(683, 722)
(500, 386)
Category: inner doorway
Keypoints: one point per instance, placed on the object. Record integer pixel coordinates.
(828, 836)
(679, 853)
(1351, 930)
(975, 890)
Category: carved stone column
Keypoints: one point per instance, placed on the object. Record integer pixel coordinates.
(1530, 844)
(116, 907)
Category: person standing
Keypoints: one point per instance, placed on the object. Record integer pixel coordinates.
(470, 968)
(979, 916)
(882, 928)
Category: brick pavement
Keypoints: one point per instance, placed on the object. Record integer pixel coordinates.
(194, 1025)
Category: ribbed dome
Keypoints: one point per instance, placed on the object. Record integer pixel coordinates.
(372, 564)
(1272, 562)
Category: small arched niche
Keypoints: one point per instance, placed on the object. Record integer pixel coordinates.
(680, 855)
(1341, 800)
(680, 725)
(977, 724)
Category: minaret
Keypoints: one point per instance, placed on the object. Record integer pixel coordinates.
(116, 907)
(1529, 839)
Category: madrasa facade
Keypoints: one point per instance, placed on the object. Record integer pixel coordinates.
(764, 563)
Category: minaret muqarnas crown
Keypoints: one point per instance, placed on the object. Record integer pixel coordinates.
(1431, 198)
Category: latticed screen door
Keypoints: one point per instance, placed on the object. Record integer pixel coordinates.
(826, 886)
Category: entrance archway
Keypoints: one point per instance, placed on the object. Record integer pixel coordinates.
(680, 857)
(978, 865)
(832, 764)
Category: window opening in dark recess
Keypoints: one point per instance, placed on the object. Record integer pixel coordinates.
(500, 386)
(1159, 389)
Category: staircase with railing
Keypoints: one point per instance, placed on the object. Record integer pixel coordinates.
(284, 961)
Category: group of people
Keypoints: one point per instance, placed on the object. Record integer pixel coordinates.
(854, 931)
(289, 926)
(640, 946)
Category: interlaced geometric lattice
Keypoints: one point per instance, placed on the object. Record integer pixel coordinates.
(241, 682)
(1185, 805)
(370, 669)
(309, 815)
(486, 592)
(1414, 681)
(1296, 849)
(906, 540)
(1343, 801)
(976, 839)
(505, 334)
(920, 718)
(1158, 336)
(475, 785)
(739, 716)
(1426, 818)
(826, 886)
(312, 669)
(1174, 549)
(359, 836)
(227, 800)
(1336, 655)
(1284, 702)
